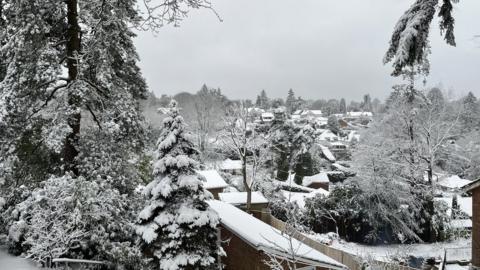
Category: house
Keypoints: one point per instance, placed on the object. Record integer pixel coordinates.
(259, 203)
(359, 114)
(231, 166)
(213, 182)
(474, 188)
(327, 153)
(327, 135)
(249, 243)
(316, 181)
(267, 117)
(321, 121)
(311, 114)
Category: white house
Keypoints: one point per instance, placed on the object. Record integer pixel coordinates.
(328, 135)
(267, 117)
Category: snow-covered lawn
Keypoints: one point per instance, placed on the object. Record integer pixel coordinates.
(386, 252)
(10, 262)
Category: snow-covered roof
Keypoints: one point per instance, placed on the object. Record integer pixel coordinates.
(265, 238)
(358, 114)
(473, 185)
(229, 164)
(267, 114)
(290, 184)
(213, 179)
(453, 182)
(327, 134)
(317, 178)
(315, 112)
(237, 198)
(338, 144)
(299, 197)
(327, 153)
(298, 112)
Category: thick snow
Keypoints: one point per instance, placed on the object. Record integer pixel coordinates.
(317, 178)
(230, 165)
(359, 114)
(290, 184)
(213, 179)
(453, 182)
(327, 135)
(264, 237)
(327, 153)
(299, 197)
(10, 262)
(385, 252)
(241, 197)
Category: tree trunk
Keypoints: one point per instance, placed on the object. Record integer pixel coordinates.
(245, 183)
(70, 151)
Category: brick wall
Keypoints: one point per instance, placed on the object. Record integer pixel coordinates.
(476, 228)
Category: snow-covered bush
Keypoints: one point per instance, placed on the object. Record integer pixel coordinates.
(372, 214)
(74, 218)
(177, 227)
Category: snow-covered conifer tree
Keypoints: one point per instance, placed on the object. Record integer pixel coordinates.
(177, 227)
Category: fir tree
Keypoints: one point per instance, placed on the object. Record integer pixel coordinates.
(470, 118)
(290, 101)
(343, 106)
(177, 227)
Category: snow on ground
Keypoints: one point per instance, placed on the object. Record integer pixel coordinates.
(10, 262)
(385, 252)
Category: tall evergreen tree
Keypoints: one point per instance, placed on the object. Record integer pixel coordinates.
(177, 227)
(470, 118)
(343, 106)
(290, 101)
(263, 100)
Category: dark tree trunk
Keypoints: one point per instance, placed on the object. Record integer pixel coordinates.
(70, 151)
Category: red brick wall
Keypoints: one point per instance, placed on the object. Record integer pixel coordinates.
(242, 256)
(476, 228)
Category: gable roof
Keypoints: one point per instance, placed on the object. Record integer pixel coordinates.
(453, 182)
(266, 238)
(473, 185)
(317, 178)
(213, 179)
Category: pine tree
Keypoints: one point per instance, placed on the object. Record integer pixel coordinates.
(177, 227)
(470, 118)
(290, 101)
(264, 101)
(343, 106)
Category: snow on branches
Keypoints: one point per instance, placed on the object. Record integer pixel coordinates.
(409, 45)
(177, 227)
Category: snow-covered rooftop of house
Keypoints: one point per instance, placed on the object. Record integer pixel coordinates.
(317, 178)
(338, 144)
(453, 182)
(299, 197)
(213, 179)
(267, 114)
(315, 112)
(237, 198)
(297, 112)
(327, 153)
(264, 237)
(229, 164)
(358, 114)
(290, 184)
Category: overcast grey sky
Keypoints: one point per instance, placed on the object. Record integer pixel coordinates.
(321, 49)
